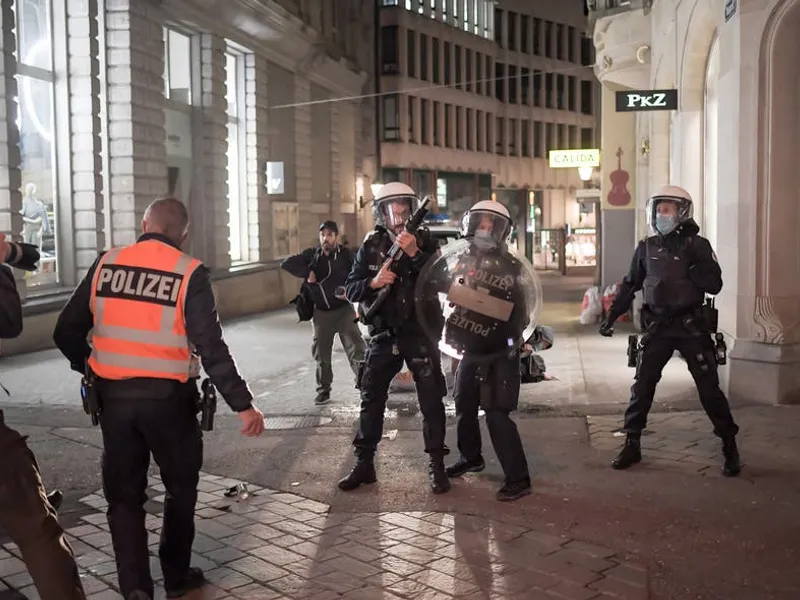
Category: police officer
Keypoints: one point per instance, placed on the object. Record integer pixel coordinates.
(395, 336)
(675, 268)
(26, 513)
(488, 375)
(151, 310)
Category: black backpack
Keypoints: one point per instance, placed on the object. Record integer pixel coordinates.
(303, 303)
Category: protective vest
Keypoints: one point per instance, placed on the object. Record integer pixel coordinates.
(138, 297)
(667, 288)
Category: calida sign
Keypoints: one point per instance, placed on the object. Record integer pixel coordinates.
(642, 100)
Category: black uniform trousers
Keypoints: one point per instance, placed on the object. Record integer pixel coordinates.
(383, 361)
(698, 351)
(494, 386)
(29, 520)
(134, 425)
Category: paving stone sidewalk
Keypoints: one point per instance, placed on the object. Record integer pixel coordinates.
(280, 546)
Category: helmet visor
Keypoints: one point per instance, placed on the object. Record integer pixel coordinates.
(394, 212)
(665, 213)
(485, 224)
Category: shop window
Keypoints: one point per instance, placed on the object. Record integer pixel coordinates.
(36, 125)
(237, 176)
(391, 118)
(177, 67)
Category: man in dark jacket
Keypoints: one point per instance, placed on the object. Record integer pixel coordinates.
(675, 268)
(326, 268)
(146, 381)
(25, 513)
(396, 336)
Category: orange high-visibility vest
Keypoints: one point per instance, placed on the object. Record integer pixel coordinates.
(138, 296)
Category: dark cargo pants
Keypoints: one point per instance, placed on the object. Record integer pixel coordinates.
(31, 522)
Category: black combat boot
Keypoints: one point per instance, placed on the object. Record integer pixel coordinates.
(462, 466)
(630, 454)
(362, 474)
(514, 491)
(732, 466)
(437, 475)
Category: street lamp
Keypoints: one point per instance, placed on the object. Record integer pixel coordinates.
(375, 187)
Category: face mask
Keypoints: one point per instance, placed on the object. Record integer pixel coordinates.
(665, 224)
(484, 238)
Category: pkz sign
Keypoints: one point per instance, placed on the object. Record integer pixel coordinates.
(634, 101)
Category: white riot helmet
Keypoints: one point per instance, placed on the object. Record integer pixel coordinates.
(665, 221)
(393, 205)
(487, 219)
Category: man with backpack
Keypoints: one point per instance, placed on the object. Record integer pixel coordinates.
(324, 270)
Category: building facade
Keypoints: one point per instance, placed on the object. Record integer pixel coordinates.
(732, 143)
(473, 96)
(252, 113)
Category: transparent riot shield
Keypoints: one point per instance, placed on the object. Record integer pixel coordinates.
(478, 301)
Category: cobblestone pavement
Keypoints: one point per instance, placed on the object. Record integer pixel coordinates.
(277, 546)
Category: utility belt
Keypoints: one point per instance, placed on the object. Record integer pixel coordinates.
(697, 321)
(205, 399)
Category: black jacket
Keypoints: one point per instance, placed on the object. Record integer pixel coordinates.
(10, 305)
(202, 328)
(398, 311)
(693, 272)
(331, 271)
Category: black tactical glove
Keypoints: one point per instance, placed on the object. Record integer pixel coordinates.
(607, 328)
(22, 256)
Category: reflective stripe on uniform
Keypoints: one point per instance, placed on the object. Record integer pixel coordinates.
(128, 361)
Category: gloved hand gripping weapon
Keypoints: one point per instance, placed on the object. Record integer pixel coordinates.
(395, 252)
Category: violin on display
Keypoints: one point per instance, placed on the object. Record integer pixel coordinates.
(619, 194)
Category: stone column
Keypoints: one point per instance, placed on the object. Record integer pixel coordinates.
(88, 223)
(259, 203)
(136, 136)
(10, 176)
(303, 168)
(211, 144)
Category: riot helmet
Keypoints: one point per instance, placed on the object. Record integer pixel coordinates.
(488, 222)
(393, 205)
(669, 208)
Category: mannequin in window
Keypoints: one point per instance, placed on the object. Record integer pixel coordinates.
(34, 217)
